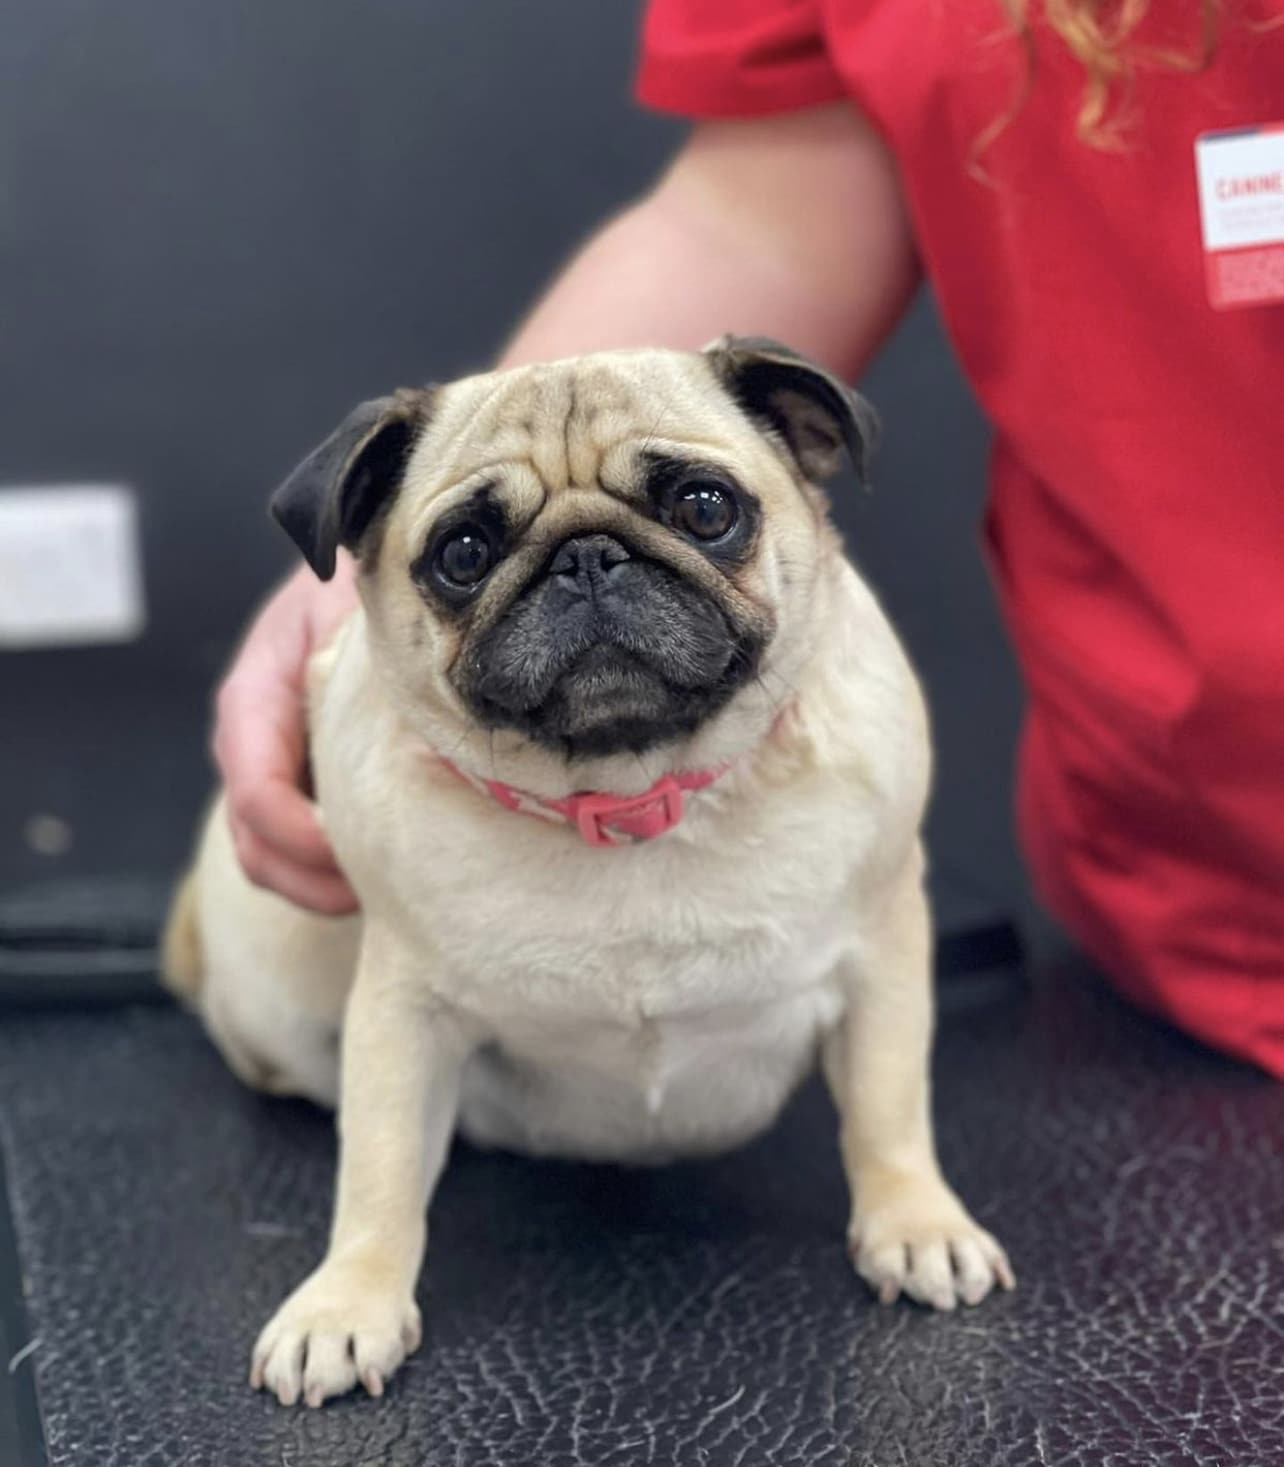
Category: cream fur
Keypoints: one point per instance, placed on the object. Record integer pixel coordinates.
(636, 1004)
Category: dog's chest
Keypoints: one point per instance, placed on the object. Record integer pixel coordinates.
(647, 1087)
(644, 941)
(654, 1004)
(649, 1053)
(662, 1009)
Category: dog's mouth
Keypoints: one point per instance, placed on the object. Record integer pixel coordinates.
(642, 664)
(610, 702)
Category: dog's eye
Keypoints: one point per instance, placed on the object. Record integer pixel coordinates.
(704, 509)
(464, 558)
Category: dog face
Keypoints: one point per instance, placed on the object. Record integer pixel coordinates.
(595, 557)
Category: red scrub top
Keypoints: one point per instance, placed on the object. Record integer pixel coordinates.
(1136, 522)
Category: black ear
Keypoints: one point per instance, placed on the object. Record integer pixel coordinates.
(817, 415)
(337, 492)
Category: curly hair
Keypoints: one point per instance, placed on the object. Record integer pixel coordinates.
(1102, 35)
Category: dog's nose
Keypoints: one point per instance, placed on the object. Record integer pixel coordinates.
(585, 563)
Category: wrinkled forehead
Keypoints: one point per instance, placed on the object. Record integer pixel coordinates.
(547, 430)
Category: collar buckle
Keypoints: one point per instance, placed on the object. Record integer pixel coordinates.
(609, 820)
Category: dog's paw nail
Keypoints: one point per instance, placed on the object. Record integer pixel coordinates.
(315, 1396)
(889, 1293)
(373, 1382)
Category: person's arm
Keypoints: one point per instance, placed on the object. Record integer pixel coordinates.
(791, 226)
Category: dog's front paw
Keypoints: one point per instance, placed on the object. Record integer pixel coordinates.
(918, 1239)
(337, 1328)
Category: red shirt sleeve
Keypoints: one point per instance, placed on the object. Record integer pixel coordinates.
(735, 58)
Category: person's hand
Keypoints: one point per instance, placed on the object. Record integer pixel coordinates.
(260, 743)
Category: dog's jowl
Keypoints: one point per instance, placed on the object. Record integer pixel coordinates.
(627, 769)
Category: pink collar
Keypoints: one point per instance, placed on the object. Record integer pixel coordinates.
(603, 820)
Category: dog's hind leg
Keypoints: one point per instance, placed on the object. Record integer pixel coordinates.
(274, 977)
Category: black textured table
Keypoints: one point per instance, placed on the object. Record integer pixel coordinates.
(699, 1314)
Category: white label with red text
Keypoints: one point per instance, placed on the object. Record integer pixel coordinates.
(1241, 213)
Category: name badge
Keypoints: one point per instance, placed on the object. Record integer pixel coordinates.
(1241, 212)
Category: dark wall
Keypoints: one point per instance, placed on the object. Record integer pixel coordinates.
(221, 224)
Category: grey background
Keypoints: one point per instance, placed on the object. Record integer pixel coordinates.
(221, 224)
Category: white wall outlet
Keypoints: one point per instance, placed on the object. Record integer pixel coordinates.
(70, 565)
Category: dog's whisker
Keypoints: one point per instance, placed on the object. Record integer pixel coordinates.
(775, 702)
(457, 745)
(470, 727)
(665, 408)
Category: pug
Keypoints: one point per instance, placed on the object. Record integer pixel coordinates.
(627, 768)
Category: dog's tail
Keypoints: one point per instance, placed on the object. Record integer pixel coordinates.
(182, 969)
